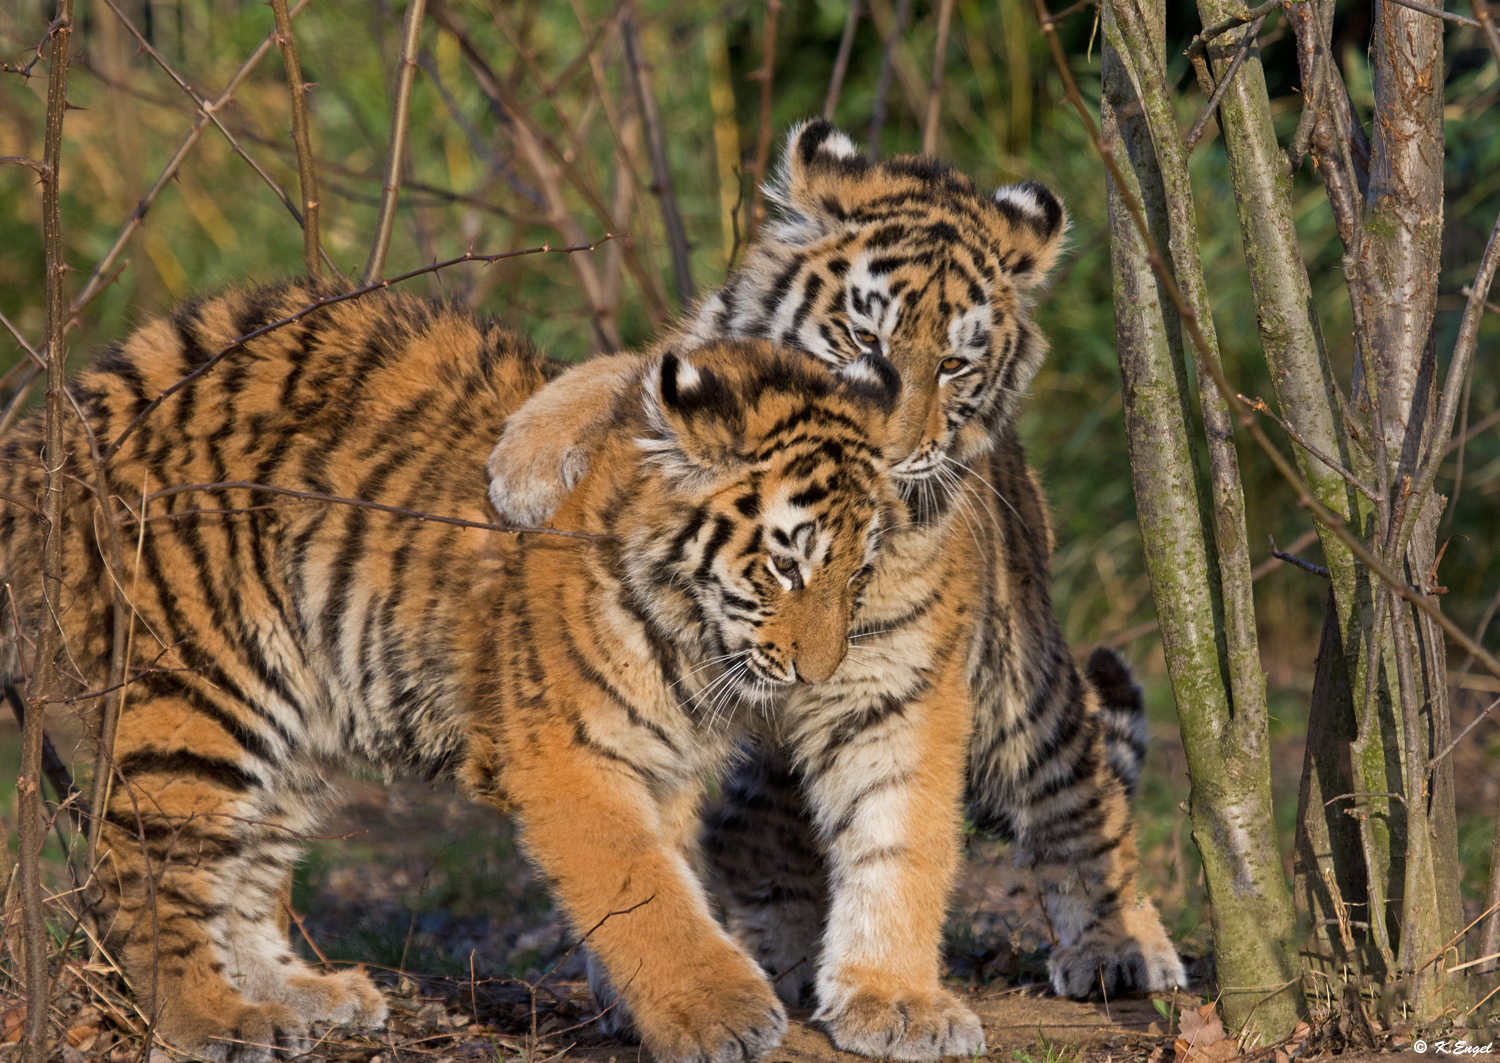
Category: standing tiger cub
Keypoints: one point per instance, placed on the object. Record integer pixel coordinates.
(910, 260)
(723, 543)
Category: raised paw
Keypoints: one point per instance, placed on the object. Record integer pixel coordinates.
(714, 1020)
(1131, 955)
(909, 1026)
(347, 998)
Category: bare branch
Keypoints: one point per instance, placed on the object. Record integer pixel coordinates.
(1218, 94)
(1255, 14)
(883, 79)
(330, 300)
(841, 64)
(1259, 406)
(307, 174)
(205, 108)
(360, 503)
(935, 96)
(44, 674)
(21, 160)
(395, 157)
(765, 74)
(1293, 559)
(661, 173)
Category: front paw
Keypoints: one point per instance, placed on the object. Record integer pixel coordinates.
(713, 1018)
(905, 1026)
(1130, 955)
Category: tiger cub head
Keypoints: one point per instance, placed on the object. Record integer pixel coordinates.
(909, 259)
(775, 474)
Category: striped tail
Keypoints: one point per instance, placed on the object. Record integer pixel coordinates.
(1122, 715)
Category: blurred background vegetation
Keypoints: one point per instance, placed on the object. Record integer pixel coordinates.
(218, 223)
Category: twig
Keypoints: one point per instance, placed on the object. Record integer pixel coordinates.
(841, 64)
(1437, 12)
(1451, 746)
(25, 71)
(22, 393)
(1305, 497)
(1232, 22)
(330, 300)
(205, 108)
(1259, 406)
(406, 73)
(883, 80)
(763, 137)
(21, 160)
(98, 281)
(661, 173)
(1486, 23)
(935, 95)
(1196, 133)
(1293, 559)
(44, 673)
(307, 174)
(399, 511)
(286, 902)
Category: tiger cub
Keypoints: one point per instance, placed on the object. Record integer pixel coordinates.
(908, 259)
(589, 682)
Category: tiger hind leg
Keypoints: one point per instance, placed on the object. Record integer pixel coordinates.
(768, 872)
(186, 894)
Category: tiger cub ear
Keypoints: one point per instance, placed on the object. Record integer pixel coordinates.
(817, 161)
(873, 385)
(698, 419)
(1038, 225)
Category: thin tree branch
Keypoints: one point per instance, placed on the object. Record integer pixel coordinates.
(1293, 559)
(935, 95)
(44, 673)
(841, 64)
(22, 393)
(307, 174)
(1259, 406)
(765, 75)
(661, 173)
(395, 158)
(361, 503)
(883, 79)
(97, 279)
(1196, 133)
(327, 301)
(1458, 739)
(1200, 42)
(204, 108)
(21, 160)
(1437, 12)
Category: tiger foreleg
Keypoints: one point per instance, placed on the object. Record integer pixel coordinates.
(610, 847)
(887, 802)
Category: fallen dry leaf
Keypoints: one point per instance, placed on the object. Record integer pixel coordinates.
(82, 1037)
(1201, 1027)
(11, 1022)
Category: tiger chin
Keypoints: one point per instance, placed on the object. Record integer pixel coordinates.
(709, 569)
(909, 260)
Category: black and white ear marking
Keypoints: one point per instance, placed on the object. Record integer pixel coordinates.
(1033, 205)
(678, 376)
(817, 141)
(873, 377)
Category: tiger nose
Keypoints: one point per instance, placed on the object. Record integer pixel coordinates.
(819, 663)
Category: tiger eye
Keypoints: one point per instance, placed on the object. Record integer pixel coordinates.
(868, 338)
(951, 365)
(784, 565)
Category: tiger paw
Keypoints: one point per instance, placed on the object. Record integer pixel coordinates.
(347, 998)
(923, 1027)
(1130, 955)
(253, 1034)
(714, 1020)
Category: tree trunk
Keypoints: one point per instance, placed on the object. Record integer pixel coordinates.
(1193, 535)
